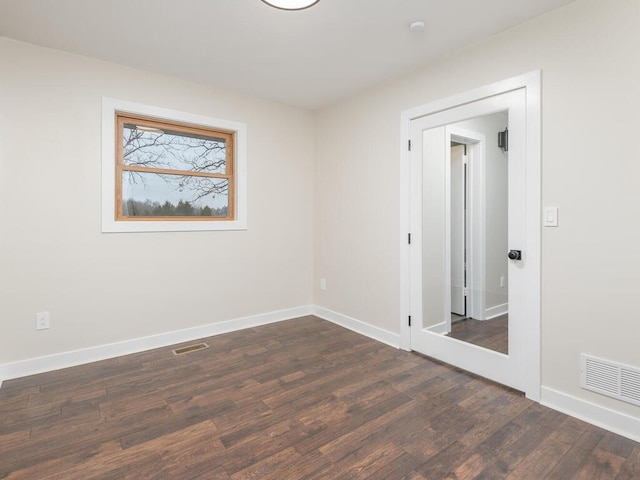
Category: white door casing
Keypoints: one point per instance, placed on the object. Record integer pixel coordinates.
(475, 217)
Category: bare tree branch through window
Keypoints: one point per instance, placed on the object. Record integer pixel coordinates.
(169, 170)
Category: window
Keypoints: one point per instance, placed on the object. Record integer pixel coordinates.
(170, 171)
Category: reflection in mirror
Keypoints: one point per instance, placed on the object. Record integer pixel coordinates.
(465, 212)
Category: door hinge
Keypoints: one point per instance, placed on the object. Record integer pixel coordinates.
(409, 238)
(409, 320)
(465, 160)
(409, 146)
(465, 291)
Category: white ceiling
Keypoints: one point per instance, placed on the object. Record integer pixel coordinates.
(307, 58)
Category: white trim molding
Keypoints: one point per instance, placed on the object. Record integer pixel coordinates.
(358, 326)
(616, 422)
(496, 311)
(441, 328)
(73, 358)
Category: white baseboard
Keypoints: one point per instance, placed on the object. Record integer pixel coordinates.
(493, 312)
(603, 417)
(600, 416)
(440, 328)
(376, 333)
(57, 361)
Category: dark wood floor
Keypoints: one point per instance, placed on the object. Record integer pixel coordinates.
(302, 399)
(492, 334)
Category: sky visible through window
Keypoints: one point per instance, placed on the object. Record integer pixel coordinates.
(164, 149)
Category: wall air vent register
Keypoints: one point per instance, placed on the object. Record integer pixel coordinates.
(609, 378)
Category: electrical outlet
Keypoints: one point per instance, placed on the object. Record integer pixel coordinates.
(323, 284)
(42, 320)
(503, 282)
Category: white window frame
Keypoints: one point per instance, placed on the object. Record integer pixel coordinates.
(109, 224)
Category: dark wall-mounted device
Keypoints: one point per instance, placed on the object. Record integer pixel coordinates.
(503, 140)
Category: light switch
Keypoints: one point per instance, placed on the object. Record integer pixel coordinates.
(550, 217)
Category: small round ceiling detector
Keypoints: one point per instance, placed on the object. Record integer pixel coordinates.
(417, 26)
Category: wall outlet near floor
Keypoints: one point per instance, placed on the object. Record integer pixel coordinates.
(323, 284)
(42, 320)
(503, 281)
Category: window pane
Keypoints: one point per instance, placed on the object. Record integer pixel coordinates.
(156, 148)
(160, 195)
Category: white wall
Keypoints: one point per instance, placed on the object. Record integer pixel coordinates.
(588, 53)
(103, 288)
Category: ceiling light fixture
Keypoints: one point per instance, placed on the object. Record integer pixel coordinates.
(291, 4)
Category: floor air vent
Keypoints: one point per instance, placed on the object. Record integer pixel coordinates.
(612, 379)
(190, 348)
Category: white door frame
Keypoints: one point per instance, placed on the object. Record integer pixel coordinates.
(475, 220)
(531, 82)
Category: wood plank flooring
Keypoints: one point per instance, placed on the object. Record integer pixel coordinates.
(492, 334)
(302, 399)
